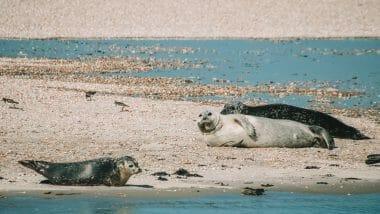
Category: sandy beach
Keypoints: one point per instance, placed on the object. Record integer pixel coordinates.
(184, 19)
(54, 122)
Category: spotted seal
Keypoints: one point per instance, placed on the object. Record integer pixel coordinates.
(102, 171)
(239, 130)
(335, 127)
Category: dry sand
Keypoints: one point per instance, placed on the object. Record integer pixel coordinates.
(196, 18)
(60, 125)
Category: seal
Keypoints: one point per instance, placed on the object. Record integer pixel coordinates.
(237, 130)
(335, 127)
(102, 171)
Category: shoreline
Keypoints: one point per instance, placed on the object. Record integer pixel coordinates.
(280, 38)
(132, 191)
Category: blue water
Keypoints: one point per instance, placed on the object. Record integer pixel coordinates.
(347, 64)
(272, 202)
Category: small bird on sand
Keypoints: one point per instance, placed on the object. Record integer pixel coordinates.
(123, 105)
(89, 94)
(7, 100)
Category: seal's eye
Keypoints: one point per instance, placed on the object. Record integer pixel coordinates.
(209, 114)
(130, 166)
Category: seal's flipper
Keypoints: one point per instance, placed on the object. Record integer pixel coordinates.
(360, 136)
(38, 166)
(243, 122)
(327, 140)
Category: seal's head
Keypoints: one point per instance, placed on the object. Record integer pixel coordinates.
(234, 107)
(127, 166)
(208, 121)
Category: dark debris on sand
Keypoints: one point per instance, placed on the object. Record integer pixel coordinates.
(161, 174)
(252, 191)
(184, 173)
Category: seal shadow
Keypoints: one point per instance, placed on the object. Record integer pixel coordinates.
(140, 186)
(46, 182)
(128, 185)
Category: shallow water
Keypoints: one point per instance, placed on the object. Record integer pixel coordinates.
(348, 65)
(271, 202)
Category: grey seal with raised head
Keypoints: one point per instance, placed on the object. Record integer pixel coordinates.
(239, 130)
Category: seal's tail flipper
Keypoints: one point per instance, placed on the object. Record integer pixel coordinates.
(328, 140)
(360, 136)
(372, 159)
(38, 166)
(349, 132)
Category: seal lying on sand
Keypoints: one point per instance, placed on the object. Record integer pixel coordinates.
(310, 117)
(102, 171)
(248, 131)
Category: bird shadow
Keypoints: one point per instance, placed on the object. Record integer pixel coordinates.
(17, 108)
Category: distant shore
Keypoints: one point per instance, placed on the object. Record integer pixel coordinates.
(190, 19)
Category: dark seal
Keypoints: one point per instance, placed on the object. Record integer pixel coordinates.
(102, 171)
(335, 127)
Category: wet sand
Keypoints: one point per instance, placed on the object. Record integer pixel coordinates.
(56, 123)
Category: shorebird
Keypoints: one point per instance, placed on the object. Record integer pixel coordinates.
(7, 100)
(123, 105)
(89, 94)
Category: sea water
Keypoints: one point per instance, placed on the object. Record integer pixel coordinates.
(271, 202)
(344, 64)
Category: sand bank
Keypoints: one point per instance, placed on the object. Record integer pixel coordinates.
(56, 123)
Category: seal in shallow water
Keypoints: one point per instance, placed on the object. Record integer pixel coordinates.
(102, 171)
(239, 130)
(335, 127)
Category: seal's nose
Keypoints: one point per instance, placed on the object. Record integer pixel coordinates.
(204, 117)
(139, 170)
